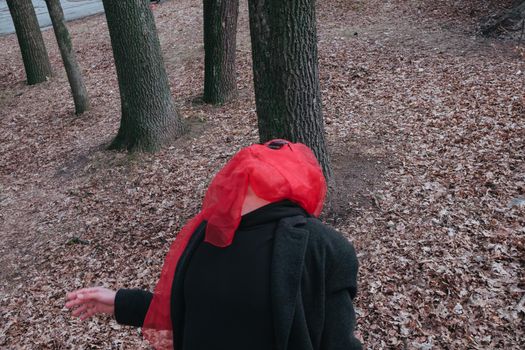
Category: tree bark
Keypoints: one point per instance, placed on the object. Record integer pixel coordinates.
(508, 20)
(78, 89)
(149, 117)
(220, 33)
(286, 74)
(34, 53)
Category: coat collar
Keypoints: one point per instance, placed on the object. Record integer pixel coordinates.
(287, 266)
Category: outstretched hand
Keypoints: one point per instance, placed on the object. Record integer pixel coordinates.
(87, 302)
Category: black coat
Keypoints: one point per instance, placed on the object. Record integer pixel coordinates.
(313, 283)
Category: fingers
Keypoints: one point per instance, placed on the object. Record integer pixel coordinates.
(87, 310)
(90, 312)
(75, 302)
(101, 294)
(74, 294)
(82, 298)
(81, 309)
(87, 295)
(87, 302)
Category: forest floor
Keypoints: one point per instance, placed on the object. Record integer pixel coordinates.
(426, 126)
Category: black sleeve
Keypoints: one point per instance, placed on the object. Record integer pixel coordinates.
(339, 324)
(343, 274)
(131, 306)
(340, 318)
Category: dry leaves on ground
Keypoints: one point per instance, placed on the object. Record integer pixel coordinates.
(426, 123)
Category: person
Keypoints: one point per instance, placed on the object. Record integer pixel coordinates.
(255, 269)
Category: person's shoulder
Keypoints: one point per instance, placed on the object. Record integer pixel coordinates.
(320, 231)
(326, 237)
(339, 256)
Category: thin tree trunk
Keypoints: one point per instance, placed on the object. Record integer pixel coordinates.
(32, 47)
(149, 117)
(286, 74)
(78, 89)
(220, 32)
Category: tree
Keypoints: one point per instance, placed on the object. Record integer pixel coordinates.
(512, 19)
(286, 74)
(34, 54)
(78, 89)
(220, 32)
(149, 118)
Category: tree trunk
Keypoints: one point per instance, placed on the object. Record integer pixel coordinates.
(286, 74)
(220, 32)
(34, 54)
(78, 89)
(149, 118)
(510, 20)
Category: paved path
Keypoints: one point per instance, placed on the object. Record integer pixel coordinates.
(73, 9)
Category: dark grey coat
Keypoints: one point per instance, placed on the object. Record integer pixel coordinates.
(313, 283)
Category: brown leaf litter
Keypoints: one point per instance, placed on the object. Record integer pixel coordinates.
(425, 122)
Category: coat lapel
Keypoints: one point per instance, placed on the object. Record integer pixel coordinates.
(287, 266)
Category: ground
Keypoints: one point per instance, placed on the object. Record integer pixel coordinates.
(426, 126)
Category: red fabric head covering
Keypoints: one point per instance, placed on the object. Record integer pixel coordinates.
(276, 171)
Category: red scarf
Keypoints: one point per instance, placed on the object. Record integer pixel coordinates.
(275, 171)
